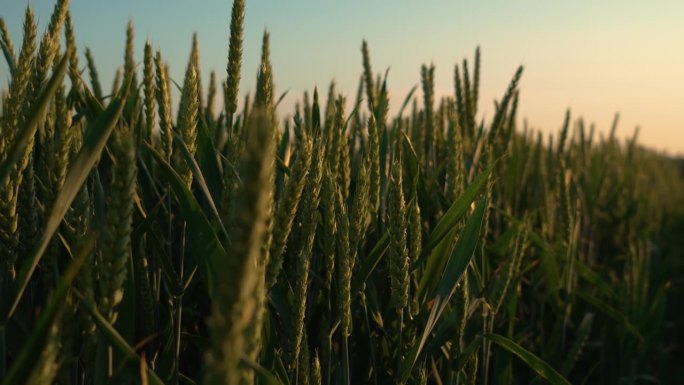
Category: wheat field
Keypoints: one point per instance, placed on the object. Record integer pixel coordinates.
(145, 241)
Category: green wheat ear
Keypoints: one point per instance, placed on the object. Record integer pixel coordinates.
(368, 76)
(510, 271)
(164, 105)
(343, 265)
(300, 282)
(94, 76)
(339, 152)
(428, 82)
(74, 71)
(129, 60)
(329, 230)
(455, 168)
(329, 104)
(188, 113)
(302, 249)
(415, 243)
(344, 165)
(476, 83)
(149, 91)
(198, 70)
(460, 102)
(461, 305)
(19, 86)
(287, 208)
(7, 46)
(234, 305)
(264, 91)
(500, 115)
(303, 374)
(374, 159)
(13, 115)
(358, 220)
(59, 147)
(398, 252)
(49, 48)
(27, 212)
(469, 117)
(234, 58)
(211, 99)
(357, 121)
(116, 83)
(116, 241)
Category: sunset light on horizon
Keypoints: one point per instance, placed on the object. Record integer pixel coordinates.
(596, 58)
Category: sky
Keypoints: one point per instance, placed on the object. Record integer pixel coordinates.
(596, 58)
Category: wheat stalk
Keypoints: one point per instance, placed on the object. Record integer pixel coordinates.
(149, 91)
(7, 45)
(368, 76)
(94, 77)
(129, 71)
(234, 305)
(398, 253)
(287, 208)
(164, 105)
(428, 82)
(74, 71)
(188, 113)
(303, 247)
(343, 265)
(234, 58)
(12, 118)
(116, 242)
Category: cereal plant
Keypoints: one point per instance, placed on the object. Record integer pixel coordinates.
(148, 243)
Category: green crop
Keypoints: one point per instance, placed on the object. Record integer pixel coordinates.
(335, 245)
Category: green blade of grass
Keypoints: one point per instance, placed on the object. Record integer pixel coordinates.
(208, 252)
(434, 266)
(458, 209)
(456, 267)
(411, 163)
(532, 361)
(201, 181)
(207, 159)
(460, 258)
(145, 228)
(436, 250)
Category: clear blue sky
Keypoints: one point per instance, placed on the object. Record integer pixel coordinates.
(596, 57)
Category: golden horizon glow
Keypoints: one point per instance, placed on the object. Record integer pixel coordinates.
(596, 58)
